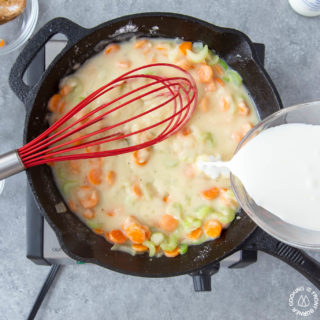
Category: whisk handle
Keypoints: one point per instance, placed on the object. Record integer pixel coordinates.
(10, 164)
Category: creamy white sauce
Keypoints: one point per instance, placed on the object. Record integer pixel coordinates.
(280, 170)
(167, 181)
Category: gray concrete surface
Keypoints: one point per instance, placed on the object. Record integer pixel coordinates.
(260, 291)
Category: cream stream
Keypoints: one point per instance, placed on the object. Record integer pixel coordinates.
(280, 170)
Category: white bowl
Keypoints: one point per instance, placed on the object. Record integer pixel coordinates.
(291, 234)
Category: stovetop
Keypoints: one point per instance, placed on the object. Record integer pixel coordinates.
(42, 244)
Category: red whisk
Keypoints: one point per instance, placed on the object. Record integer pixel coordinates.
(57, 144)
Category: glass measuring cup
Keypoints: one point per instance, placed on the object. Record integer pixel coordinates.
(296, 236)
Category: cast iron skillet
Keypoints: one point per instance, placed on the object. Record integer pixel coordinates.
(75, 238)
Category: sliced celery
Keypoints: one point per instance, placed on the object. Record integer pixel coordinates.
(223, 64)
(230, 194)
(191, 223)
(60, 174)
(157, 238)
(235, 77)
(224, 209)
(212, 59)
(197, 46)
(152, 249)
(208, 138)
(224, 217)
(169, 244)
(94, 225)
(199, 56)
(183, 248)
(67, 186)
(226, 79)
(203, 211)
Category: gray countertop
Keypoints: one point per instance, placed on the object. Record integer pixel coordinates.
(90, 292)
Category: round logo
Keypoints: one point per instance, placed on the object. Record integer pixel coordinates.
(303, 301)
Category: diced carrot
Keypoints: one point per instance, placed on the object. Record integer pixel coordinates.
(53, 102)
(168, 222)
(111, 177)
(185, 131)
(243, 109)
(92, 149)
(88, 197)
(173, 253)
(195, 234)
(210, 194)
(123, 64)
(147, 232)
(129, 221)
(212, 228)
(137, 190)
(205, 73)
(166, 198)
(75, 165)
(117, 236)
(161, 47)
(224, 104)
(111, 48)
(2, 43)
(88, 214)
(77, 142)
(61, 106)
(139, 247)
(141, 157)
(184, 64)
(220, 81)
(211, 86)
(136, 233)
(98, 231)
(184, 46)
(204, 104)
(65, 90)
(110, 214)
(140, 43)
(72, 205)
(218, 70)
(94, 176)
(106, 235)
(146, 50)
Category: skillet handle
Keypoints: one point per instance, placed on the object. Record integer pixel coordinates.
(71, 30)
(294, 257)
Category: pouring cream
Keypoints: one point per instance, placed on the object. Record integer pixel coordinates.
(280, 170)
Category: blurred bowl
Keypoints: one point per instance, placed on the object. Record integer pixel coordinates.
(17, 31)
(293, 235)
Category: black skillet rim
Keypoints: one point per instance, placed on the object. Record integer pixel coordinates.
(250, 225)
